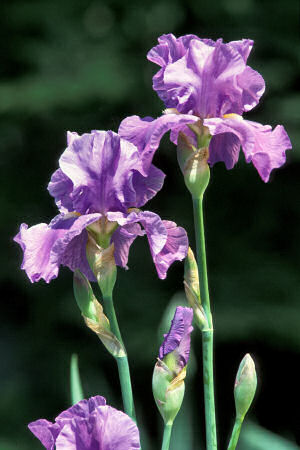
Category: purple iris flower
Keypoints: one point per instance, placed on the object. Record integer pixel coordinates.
(88, 425)
(178, 340)
(98, 188)
(200, 79)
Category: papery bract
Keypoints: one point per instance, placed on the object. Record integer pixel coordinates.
(98, 188)
(88, 425)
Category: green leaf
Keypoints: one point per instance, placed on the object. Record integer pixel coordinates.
(254, 437)
(76, 387)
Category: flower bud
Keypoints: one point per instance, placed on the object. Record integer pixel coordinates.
(103, 265)
(245, 386)
(84, 295)
(192, 289)
(193, 164)
(170, 370)
(93, 314)
(168, 391)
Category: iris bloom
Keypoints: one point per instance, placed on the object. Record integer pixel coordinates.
(88, 425)
(200, 79)
(98, 189)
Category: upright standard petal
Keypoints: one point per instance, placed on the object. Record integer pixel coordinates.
(178, 339)
(146, 133)
(100, 166)
(46, 247)
(205, 78)
(61, 188)
(101, 172)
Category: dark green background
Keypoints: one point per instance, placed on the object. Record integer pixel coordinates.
(81, 65)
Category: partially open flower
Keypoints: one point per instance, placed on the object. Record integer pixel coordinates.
(169, 371)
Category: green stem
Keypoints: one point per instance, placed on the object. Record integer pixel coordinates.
(167, 436)
(235, 434)
(207, 334)
(122, 362)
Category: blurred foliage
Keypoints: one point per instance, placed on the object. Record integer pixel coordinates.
(80, 65)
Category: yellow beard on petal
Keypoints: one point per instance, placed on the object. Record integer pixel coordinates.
(233, 116)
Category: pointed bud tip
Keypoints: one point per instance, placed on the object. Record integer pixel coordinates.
(245, 386)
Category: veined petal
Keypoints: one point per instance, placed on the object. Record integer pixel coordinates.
(262, 146)
(205, 78)
(46, 247)
(175, 248)
(81, 409)
(61, 187)
(178, 339)
(88, 425)
(119, 431)
(146, 133)
(100, 165)
(243, 47)
(146, 187)
(45, 431)
(151, 222)
(122, 238)
(168, 243)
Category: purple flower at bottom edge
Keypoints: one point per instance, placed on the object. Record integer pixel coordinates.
(200, 79)
(178, 339)
(100, 183)
(88, 425)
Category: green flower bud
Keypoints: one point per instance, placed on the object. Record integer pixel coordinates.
(168, 391)
(93, 314)
(193, 164)
(84, 295)
(102, 263)
(245, 386)
(192, 289)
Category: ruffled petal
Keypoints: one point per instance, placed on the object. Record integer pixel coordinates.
(167, 52)
(120, 432)
(175, 248)
(224, 147)
(46, 247)
(152, 223)
(146, 133)
(100, 166)
(46, 432)
(146, 187)
(205, 78)
(178, 339)
(61, 187)
(122, 238)
(243, 47)
(168, 243)
(81, 409)
(88, 425)
(262, 146)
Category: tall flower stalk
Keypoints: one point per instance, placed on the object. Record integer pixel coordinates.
(207, 332)
(122, 361)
